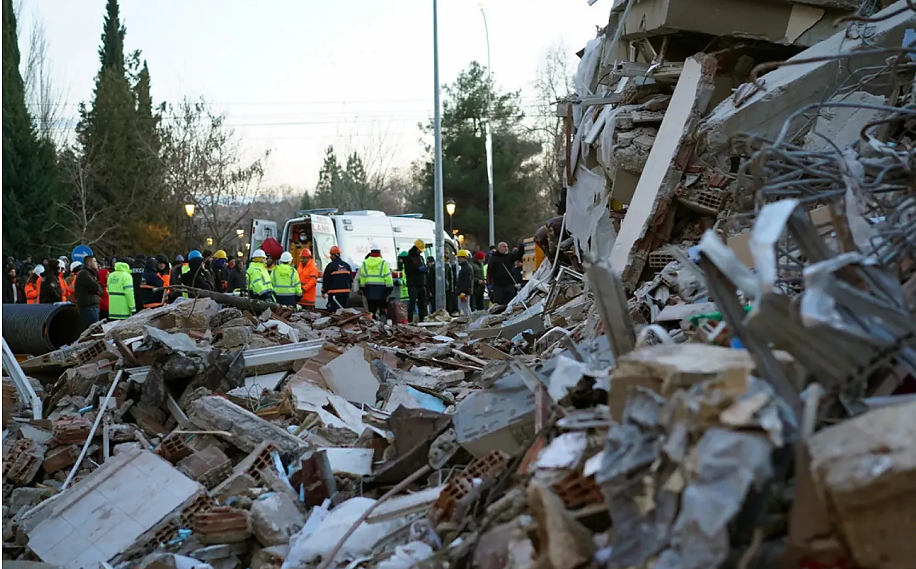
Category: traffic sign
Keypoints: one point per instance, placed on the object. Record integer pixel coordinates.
(80, 252)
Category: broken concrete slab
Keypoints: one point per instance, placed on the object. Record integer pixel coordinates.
(105, 512)
(639, 233)
(791, 87)
(350, 461)
(246, 429)
(499, 418)
(351, 377)
(274, 518)
(843, 125)
(866, 470)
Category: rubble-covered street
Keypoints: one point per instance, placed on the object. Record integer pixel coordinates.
(714, 366)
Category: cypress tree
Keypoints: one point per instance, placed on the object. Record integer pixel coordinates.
(31, 187)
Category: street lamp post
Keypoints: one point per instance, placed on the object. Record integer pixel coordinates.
(189, 210)
(489, 141)
(450, 209)
(437, 176)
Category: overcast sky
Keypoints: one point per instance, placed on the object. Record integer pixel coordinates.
(295, 76)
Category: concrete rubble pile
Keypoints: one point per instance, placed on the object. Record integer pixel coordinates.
(714, 367)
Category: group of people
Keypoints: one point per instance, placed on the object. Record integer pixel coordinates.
(498, 273)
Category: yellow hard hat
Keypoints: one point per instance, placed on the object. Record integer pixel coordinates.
(419, 244)
(464, 253)
(219, 254)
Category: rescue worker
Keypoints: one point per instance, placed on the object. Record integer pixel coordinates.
(193, 274)
(337, 281)
(163, 269)
(308, 278)
(51, 291)
(375, 281)
(465, 284)
(88, 291)
(235, 279)
(480, 280)
(69, 290)
(258, 279)
(415, 269)
(33, 285)
(219, 270)
(285, 281)
(402, 282)
(121, 299)
(152, 284)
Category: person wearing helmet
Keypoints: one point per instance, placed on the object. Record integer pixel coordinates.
(376, 282)
(121, 299)
(70, 280)
(193, 274)
(337, 281)
(308, 278)
(465, 284)
(33, 284)
(220, 271)
(51, 289)
(258, 278)
(402, 279)
(415, 269)
(285, 280)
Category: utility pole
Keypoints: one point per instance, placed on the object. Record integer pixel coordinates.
(489, 141)
(437, 176)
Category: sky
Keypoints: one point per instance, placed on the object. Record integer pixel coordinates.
(296, 76)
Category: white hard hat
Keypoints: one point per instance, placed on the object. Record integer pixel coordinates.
(39, 269)
(258, 253)
(374, 247)
(75, 265)
(61, 264)
(286, 257)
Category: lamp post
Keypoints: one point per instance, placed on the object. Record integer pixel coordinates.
(240, 233)
(450, 209)
(489, 141)
(189, 210)
(437, 169)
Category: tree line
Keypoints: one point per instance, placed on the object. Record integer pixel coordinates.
(122, 185)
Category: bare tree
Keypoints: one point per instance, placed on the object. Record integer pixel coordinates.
(203, 164)
(87, 221)
(44, 97)
(552, 83)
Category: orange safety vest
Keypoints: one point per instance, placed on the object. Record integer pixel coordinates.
(166, 279)
(308, 280)
(68, 289)
(33, 291)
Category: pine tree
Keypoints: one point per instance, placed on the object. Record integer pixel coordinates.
(327, 192)
(31, 187)
(518, 203)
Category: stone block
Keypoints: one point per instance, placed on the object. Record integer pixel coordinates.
(274, 518)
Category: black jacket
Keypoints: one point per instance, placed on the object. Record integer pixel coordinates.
(415, 267)
(499, 273)
(87, 287)
(465, 278)
(449, 277)
(337, 277)
(50, 289)
(235, 279)
(137, 268)
(196, 276)
(478, 276)
(9, 286)
(152, 279)
(431, 280)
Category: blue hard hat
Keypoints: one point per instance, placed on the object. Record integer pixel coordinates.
(195, 254)
(179, 259)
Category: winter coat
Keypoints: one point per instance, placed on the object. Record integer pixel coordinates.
(51, 291)
(465, 278)
(88, 289)
(12, 292)
(308, 280)
(501, 266)
(415, 267)
(195, 276)
(152, 281)
(478, 276)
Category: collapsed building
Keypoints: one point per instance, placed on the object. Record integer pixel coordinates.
(727, 382)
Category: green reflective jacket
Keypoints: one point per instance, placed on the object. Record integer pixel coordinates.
(121, 302)
(285, 280)
(258, 278)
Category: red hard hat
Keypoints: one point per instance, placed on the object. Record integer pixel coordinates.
(305, 253)
(335, 250)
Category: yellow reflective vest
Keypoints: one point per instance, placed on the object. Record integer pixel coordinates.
(121, 302)
(285, 280)
(375, 271)
(258, 278)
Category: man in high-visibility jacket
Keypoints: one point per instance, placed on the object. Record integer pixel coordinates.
(122, 303)
(405, 291)
(258, 278)
(337, 281)
(285, 281)
(375, 281)
(308, 278)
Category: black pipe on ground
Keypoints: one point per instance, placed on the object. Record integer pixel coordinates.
(37, 329)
